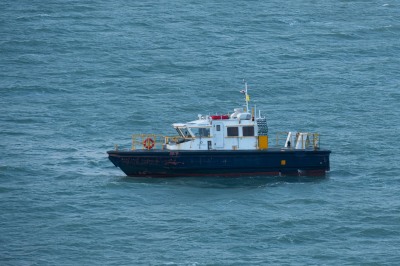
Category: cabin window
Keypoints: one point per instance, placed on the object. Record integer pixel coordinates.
(201, 132)
(184, 132)
(233, 131)
(248, 131)
(218, 127)
(179, 132)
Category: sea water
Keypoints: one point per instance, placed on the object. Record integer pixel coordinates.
(78, 77)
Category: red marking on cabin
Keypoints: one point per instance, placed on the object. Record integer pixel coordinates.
(219, 117)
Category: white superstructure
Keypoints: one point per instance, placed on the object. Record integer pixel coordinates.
(238, 131)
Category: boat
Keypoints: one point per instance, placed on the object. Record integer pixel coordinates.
(229, 144)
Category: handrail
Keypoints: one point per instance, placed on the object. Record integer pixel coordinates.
(153, 141)
(176, 139)
(159, 141)
(299, 140)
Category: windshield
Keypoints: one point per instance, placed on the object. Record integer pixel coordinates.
(183, 132)
(200, 131)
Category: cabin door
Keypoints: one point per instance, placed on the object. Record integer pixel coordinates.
(218, 135)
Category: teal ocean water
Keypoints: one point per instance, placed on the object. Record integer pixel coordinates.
(77, 77)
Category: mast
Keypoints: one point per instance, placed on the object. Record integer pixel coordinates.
(247, 97)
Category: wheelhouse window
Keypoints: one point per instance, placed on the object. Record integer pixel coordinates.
(200, 132)
(248, 131)
(183, 132)
(233, 131)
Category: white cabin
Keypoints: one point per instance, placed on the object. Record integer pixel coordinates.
(238, 131)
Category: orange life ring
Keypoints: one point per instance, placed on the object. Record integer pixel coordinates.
(148, 143)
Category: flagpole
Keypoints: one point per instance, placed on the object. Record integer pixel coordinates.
(246, 97)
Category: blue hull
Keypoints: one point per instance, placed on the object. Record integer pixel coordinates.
(166, 163)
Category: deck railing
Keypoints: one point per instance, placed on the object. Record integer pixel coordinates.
(147, 141)
(298, 140)
(153, 141)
